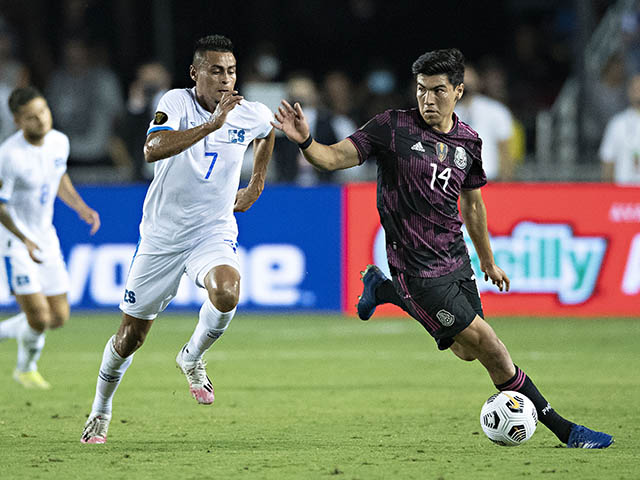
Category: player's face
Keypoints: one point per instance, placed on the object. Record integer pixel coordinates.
(34, 118)
(214, 74)
(436, 99)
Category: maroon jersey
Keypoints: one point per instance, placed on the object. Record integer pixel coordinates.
(421, 173)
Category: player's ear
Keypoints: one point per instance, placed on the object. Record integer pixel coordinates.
(459, 91)
(192, 72)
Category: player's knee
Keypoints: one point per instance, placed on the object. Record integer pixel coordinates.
(58, 320)
(130, 337)
(59, 317)
(465, 355)
(462, 353)
(224, 299)
(39, 319)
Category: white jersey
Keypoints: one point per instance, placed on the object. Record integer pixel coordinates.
(494, 124)
(621, 146)
(193, 193)
(30, 177)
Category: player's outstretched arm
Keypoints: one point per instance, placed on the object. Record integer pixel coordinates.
(7, 221)
(262, 150)
(291, 122)
(474, 214)
(167, 143)
(68, 194)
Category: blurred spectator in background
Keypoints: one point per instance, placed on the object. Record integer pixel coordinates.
(604, 97)
(290, 164)
(86, 100)
(260, 78)
(492, 120)
(535, 76)
(260, 82)
(151, 82)
(631, 39)
(340, 98)
(494, 79)
(13, 74)
(620, 148)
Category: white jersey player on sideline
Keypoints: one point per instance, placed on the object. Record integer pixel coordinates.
(197, 140)
(33, 164)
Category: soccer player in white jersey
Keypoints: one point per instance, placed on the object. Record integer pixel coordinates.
(196, 141)
(33, 164)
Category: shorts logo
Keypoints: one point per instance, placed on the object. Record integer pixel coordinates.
(445, 318)
(22, 280)
(129, 296)
(441, 151)
(460, 158)
(160, 118)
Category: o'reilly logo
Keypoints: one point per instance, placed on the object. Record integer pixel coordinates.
(546, 258)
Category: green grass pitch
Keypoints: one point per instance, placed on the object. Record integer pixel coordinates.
(307, 396)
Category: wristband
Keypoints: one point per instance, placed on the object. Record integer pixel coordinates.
(304, 145)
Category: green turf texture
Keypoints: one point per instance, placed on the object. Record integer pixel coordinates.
(305, 397)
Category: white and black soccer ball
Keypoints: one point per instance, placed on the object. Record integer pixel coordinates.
(508, 418)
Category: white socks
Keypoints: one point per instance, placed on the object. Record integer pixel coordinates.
(112, 368)
(211, 325)
(30, 345)
(10, 327)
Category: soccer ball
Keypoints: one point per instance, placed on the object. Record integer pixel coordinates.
(508, 418)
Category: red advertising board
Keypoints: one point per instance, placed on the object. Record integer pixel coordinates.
(569, 249)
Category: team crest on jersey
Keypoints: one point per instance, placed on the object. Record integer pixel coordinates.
(160, 118)
(441, 151)
(445, 318)
(460, 158)
(236, 135)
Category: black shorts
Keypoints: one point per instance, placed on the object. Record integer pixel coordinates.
(445, 305)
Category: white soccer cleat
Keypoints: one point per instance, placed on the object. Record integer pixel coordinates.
(95, 430)
(200, 386)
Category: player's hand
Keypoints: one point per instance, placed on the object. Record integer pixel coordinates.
(92, 218)
(227, 102)
(291, 122)
(33, 249)
(497, 276)
(245, 198)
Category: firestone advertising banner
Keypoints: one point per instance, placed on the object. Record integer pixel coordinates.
(569, 249)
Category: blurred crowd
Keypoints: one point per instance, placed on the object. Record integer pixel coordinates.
(106, 116)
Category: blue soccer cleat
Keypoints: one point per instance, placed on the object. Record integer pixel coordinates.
(371, 278)
(583, 437)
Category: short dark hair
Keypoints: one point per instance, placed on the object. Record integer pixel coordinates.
(449, 62)
(213, 43)
(22, 96)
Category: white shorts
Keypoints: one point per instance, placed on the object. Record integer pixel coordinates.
(154, 276)
(27, 277)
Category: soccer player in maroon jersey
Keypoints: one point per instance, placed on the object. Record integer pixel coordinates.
(427, 159)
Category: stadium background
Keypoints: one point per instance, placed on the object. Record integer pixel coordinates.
(570, 248)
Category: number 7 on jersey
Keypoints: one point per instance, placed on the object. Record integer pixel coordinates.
(214, 157)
